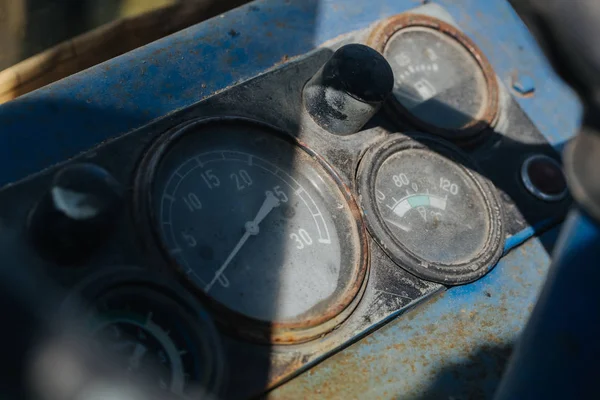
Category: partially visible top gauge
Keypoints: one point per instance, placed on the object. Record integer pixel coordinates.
(430, 210)
(158, 336)
(443, 83)
(258, 225)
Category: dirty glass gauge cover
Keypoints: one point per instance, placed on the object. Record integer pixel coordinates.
(427, 206)
(161, 338)
(258, 225)
(443, 83)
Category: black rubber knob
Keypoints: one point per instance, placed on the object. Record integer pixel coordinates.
(349, 89)
(76, 214)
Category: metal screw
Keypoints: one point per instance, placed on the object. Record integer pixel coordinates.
(523, 84)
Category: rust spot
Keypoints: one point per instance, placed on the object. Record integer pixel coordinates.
(399, 346)
(486, 324)
(429, 329)
(233, 33)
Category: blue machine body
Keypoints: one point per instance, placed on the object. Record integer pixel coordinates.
(125, 93)
(556, 354)
(436, 347)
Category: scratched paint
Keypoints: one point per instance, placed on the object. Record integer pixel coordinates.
(455, 346)
(433, 349)
(129, 91)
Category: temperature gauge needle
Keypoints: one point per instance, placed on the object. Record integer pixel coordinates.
(252, 229)
(398, 225)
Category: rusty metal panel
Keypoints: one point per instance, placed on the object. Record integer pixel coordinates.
(453, 347)
(457, 343)
(132, 90)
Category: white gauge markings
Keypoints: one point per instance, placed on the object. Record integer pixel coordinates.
(323, 235)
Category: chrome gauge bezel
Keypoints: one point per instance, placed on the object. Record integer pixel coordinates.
(236, 323)
(448, 274)
(379, 39)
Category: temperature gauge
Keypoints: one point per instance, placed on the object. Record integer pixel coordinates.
(443, 83)
(430, 210)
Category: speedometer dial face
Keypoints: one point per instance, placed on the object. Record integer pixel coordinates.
(443, 83)
(258, 225)
(430, 210)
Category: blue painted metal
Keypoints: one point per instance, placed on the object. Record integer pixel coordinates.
(558, 354)
(524, 235)
(455, 346)
(70, 116)
(418, 353)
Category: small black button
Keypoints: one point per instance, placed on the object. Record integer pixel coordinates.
(76, 214)
(543, 177)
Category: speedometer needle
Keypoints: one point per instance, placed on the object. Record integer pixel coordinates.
(252, 229)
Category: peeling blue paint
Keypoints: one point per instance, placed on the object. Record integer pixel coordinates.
(455, 346)
(127, 92)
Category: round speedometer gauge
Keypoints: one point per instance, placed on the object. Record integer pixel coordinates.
(258, 225)
(430, 210)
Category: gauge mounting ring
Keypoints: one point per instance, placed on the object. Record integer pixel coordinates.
(380, 37)
(189, 325)
(233, 321)
(455, 269)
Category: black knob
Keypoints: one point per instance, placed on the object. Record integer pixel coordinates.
(76, 214)
(349, 89)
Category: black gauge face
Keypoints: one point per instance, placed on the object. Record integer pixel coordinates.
(442, 82)
(157, 339)
(142, 338)
(256, 223)
(431, 206)
(436, 78)
(430, 210)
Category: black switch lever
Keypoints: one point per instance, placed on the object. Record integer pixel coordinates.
(349, 89)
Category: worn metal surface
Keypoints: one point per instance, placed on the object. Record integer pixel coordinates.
(128, 92)
(131, 90)
(455, 346)
(387, 292)
(557, 355)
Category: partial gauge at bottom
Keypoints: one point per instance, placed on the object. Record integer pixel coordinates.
(430, 210)
(257, 224)
(159, 338)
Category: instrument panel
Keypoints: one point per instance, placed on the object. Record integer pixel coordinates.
(430, 210)
(295, 239)
(257, 224)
